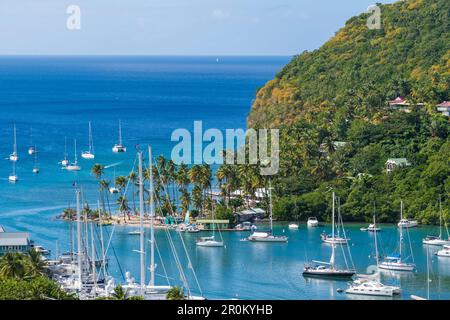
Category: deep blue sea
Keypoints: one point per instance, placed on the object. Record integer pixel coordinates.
(58, 96)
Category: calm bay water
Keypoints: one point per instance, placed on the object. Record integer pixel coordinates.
(153, 96)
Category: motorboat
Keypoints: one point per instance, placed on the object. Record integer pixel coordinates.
(293, 226)
(266, 237)
(371, 228)
(444, 252)
(406, 223)
(192, 229)
(42, 250)
(372, 288)
(312, 222)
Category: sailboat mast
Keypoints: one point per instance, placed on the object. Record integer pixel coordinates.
(94, 276)
(80, 250)
(102, 245)
(332, 232)
(152, 221)
(428, 272)
(65, 148)
(120, 132)
(375, 236)
(270, 205)
(141, 220)
(401, 229)
(15, 140)
(440, 218)
(90, 138)
(75, 147)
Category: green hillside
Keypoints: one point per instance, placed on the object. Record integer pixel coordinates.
(340, 92)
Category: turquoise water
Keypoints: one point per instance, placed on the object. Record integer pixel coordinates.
(153, 96)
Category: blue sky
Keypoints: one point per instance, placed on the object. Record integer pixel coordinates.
(173, 27)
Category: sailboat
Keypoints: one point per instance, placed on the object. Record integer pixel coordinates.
(335, 238)
(32, 148)
(328, 269)
(89, 155)
(14, 156)
(36, 167)
(395, 262)
(258, 236)
(150, 291)
(13, 177)
(74, 166)
(438, 241)
(370, 284)
(65, 161)
(114, 189)
(119, 147)
(211, 241)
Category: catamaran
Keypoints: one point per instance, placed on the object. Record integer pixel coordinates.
(65, 161)
(395, 262)
(328, 269)
(119, 147)
(13, 177)
(31, 148)
(438, 241)
(14, 156)
(89, 155)
(74, 166)
(257, 236)
(370, 284)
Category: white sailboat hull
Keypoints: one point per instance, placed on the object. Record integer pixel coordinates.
(397, 266)
(119, 149)
(210, 244)
(73, 168)
(88, 156)
(14, 157)
(444, 252)
(436, 242)
(13, 178)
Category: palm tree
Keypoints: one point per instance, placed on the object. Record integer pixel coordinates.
(175, 293)
(104, 188)
(98, 170)
(197, 198)
(119, 293)
(12, 265)
(185, 200)
(171, 176)
(122, 202)
(35, 264)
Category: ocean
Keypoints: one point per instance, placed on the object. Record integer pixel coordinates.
(153, 96)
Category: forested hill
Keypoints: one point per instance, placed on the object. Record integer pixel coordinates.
(360, 69)
(339, 93)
